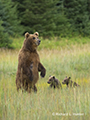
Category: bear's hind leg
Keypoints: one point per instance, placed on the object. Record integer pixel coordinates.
(35, 89)
(18, 85)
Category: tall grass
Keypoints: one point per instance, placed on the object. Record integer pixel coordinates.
(47, 104)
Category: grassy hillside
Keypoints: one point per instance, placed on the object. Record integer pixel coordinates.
(48, 104)
(53, 42)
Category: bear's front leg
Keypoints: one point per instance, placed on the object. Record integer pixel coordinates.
(41, 69)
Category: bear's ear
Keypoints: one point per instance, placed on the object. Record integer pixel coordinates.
(69, 78)
(53, 77)
(26, 35)
(36, 33)
(49, 75)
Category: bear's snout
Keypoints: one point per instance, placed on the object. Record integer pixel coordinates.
(39, 41)
(63, 82)
(48, 82)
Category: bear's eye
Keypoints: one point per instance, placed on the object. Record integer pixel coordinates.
(33, 37)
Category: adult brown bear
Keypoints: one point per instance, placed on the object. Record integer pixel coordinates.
(29, 64)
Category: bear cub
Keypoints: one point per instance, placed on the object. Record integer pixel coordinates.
(54, 82)
(69, 82)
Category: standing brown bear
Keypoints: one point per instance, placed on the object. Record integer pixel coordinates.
(29, 64)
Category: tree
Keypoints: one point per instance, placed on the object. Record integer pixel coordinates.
(62, 23)
(78, 15)
(8, 14)
(4, 37)
(42, 16)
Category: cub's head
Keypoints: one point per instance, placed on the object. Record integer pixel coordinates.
(51, 79)
(66, 80)
(31, 41)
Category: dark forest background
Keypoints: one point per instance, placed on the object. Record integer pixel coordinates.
(48, 17)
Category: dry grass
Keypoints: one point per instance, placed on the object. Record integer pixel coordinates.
(47, 104)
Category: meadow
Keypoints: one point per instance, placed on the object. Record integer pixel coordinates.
(61, 58)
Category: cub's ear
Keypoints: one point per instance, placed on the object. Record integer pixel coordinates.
(36, 33)
(69, 77)
(53, 77)
(26, 35)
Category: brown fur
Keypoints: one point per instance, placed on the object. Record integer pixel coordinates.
(69, 82)
(54, 82)
(29, 64)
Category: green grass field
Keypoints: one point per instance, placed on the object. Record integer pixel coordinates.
(48, 104)
(53, 42)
